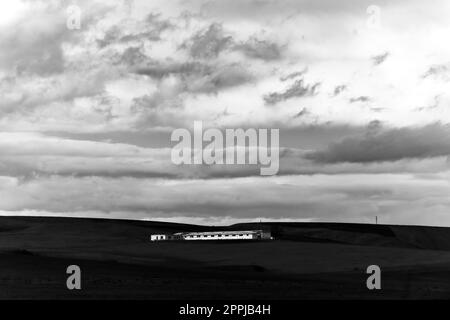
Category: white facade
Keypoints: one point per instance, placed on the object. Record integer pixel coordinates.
(225, 235)
(158, 237)
(215, 235)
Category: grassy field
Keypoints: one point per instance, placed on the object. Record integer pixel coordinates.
(305, 261)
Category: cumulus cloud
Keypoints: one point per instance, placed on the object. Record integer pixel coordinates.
(293, 75)
(339, 89)
(141, 31)
(260, 49)
(297, 90)
(200, 77)
(26, 94)
(359, 99)
(158, 69)
(379, 59)
(438, 70)
(301, 113)
(223, 77)
(208, 43)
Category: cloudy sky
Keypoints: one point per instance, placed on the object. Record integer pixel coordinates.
(359, 90)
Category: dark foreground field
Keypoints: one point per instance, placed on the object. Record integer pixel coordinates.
(306, 261)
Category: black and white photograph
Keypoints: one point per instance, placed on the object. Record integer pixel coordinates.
(207, 151)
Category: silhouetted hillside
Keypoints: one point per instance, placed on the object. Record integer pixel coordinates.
(306, 260)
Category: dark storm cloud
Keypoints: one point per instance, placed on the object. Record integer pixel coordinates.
(359, 99)
(211, 41)
(223, 77)
(302, 113)
(208, 43)
(374, 126)
(160, 70)
(132, 57)
(379, 59)
(294, 75)
(33, 157)
(26, 172)
(153, 102)
(150, 29)
(260, 49)
(338, 89)
(200, 77)
(388, 145)
(297, 90)
(157, 109)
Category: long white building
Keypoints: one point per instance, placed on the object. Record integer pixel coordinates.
(215, 235)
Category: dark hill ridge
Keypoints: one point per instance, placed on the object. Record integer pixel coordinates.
(421, 237)
(306, 260)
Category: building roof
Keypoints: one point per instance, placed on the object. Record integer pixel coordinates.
(218, 232)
